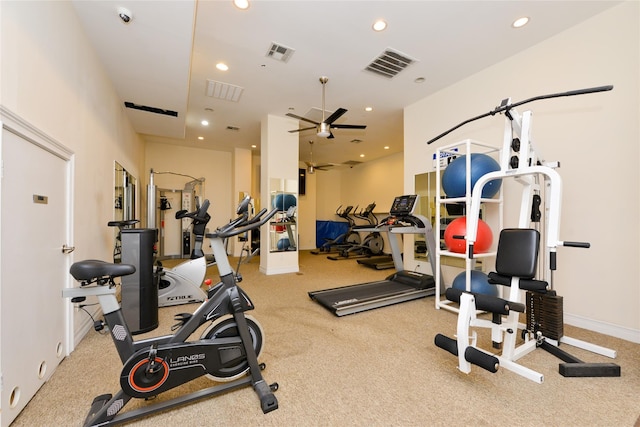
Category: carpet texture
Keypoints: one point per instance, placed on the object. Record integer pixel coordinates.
(375, 368)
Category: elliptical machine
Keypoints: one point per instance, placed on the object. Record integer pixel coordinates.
(227, 351)
(181, 284)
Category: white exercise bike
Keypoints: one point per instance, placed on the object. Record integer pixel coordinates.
(182, 283)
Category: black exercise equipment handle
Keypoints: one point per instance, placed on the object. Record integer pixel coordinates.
(585, 245)
(241, 225)
(505, 107)
(199, 215)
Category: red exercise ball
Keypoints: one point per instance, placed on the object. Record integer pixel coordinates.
(458, 227)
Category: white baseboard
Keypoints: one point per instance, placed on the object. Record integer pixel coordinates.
(279, 270)
(81, 331)
(617, 331)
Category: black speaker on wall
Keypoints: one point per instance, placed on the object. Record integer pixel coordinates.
(302, 181)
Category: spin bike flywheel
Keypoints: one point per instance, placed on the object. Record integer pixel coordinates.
(225, 327)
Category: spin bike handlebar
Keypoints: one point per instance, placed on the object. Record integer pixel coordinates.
(242, 224)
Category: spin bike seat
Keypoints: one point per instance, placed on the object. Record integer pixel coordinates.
(91, 269)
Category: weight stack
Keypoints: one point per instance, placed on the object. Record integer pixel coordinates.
(545, 314)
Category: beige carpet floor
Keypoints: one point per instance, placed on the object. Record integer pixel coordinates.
(377, 368)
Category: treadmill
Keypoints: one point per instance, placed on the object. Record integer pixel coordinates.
(401, 286)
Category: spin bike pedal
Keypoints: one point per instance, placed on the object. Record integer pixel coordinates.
(98, 403)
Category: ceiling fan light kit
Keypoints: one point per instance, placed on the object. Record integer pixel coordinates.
(323, 129)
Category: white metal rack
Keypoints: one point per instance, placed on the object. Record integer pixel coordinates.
(465, 147)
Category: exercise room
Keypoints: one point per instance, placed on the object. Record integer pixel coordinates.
(320, 213)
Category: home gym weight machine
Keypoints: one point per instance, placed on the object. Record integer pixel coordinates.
(516, 265)
(182, 283)
(227, 351)
(401, 286)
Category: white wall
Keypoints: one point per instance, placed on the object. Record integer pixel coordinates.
(378, 181)
(51, 77)
(595, 138)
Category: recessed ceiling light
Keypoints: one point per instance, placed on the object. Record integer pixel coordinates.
(201, 138)
(222, 66)
(420, 80)
(253, 146)
(386, 147)
(379, 25)
(520, 22)
(241, 4)
(204, 123)
(361, 155)
(368, 109)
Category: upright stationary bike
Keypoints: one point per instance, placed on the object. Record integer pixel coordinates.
(181, 284)
(227, 351)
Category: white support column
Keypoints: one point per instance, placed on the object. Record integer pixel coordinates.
(279, 172)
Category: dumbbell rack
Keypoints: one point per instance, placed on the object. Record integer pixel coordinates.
(465, 147)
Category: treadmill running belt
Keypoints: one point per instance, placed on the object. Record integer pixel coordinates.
(367, 296)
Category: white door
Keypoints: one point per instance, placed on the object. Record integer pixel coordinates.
(34, 209)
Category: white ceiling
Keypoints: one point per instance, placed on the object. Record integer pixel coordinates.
(164, 56)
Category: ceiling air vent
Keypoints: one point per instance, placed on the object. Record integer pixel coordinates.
(148, 109)
(279, 52)
(224, 91)
(389, 63)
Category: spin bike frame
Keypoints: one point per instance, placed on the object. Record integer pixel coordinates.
(223, 299)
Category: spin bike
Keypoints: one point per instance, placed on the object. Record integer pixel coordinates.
(227, 351)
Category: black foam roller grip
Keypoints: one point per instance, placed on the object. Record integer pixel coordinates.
(482, 359)
(446, 343)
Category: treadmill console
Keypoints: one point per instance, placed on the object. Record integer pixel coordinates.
(403, 205)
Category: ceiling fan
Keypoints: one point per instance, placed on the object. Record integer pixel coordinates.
(311, 166)
(323, 129)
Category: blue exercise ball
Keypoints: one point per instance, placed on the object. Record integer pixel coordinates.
(479, 283)
(283, 244)
(284, 201)
(454, 178)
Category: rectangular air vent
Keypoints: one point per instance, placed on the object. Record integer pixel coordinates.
(224, 91)
(148, 109)
(389, 63)
(279, 52)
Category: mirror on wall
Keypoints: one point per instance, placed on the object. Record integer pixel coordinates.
(124, 205)
(125, 194)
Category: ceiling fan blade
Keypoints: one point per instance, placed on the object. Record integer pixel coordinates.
(349, 126)
(303, 129)
(302, 118)
(330, 135)
(335, 115)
